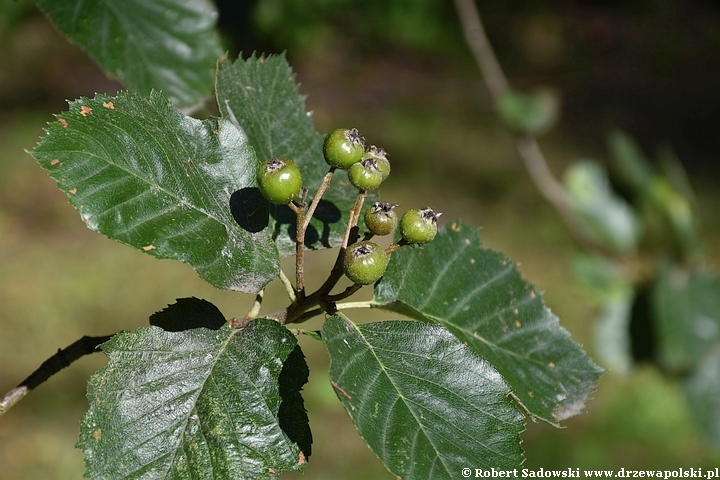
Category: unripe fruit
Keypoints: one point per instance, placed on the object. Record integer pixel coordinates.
(419, 226)
(380, 218)
(279, 180)
(381, 158)
(365, 174)
(364, 263)
(343, 148)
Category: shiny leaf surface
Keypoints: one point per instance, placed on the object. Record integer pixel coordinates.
(479, 295)
(427, 405)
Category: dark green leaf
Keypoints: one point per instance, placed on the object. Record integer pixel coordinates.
(142, 173)
(168, 45)
(427, 405)
(480, 297)
(261, 94)
(194, 404)
(686, 307)
(702, 388)
(188, 313)
(606, 216)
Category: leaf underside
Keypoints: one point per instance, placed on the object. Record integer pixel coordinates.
(479, 295)
(194, 404)
(140, 172)
(425, 403)
(168, 45)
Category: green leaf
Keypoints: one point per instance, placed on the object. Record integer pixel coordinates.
(613, 340)
(427, 405)
(630, 163)
(142, 173)
(168, 45)
(605, 215)
(601, 276)
(481, 298)
(194, 404)
(686, 307)
(533, 113)
(261, 94)
(702, 388)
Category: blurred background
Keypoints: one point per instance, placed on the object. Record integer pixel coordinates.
(399, 71)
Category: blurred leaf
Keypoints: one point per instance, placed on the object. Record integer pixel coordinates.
(481, 298)
(262, 95)
(188, 313)
(613, 341)
(607, 216)
(676, 175)
(601, 276)
(533, 113)
(194, 404)
(425, 403)
(142, 173)
(678, 211)
(687, 315)
(632, 166)
(702, 388)
(168, 45)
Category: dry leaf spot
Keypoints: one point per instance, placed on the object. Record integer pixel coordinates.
(63, 122)
(472, 261)
(190, 162)
(97, 434)
(147, 248)
(85, 111)
(554, 415)
(73, 191)
(518, 324)
(551, 365)
(55, 161)
(454, 227)
(531, 394)
(516, 311)
(301, 459)
(532, 293)
(109, 105)
(271, 470)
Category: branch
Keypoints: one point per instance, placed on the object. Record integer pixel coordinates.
(62, 359)
(548, 186)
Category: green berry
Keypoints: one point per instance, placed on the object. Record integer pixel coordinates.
(364, 263)
(380, 218)
(279, 180)
(365, 174)
(381, 158)
(343, 148)
(419, 226)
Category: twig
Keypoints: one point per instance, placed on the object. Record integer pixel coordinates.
(62, 359)
(256, 305)
(527, 145)
(318, 195)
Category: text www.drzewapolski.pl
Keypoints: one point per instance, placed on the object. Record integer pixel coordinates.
(706, 474)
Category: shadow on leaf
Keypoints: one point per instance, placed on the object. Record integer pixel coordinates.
(250, 209)
(292, 415)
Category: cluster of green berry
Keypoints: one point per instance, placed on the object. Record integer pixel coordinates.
(364, 262)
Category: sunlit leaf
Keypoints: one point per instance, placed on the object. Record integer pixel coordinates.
(427, 405)
(168, 45)
(479, 295)
(193, 404)
(140, 172)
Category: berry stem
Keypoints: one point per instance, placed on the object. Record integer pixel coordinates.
(288, 287)
(318, 195)
(344, 294)
(395, 246)
(349, 305)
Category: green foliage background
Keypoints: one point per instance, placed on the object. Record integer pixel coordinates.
(59, 281)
